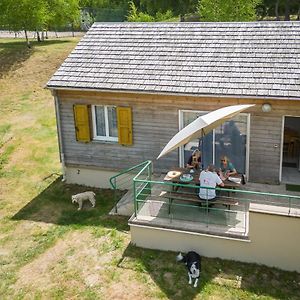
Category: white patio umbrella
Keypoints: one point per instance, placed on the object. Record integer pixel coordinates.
(202, 126)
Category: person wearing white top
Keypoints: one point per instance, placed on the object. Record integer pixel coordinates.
(209, 178)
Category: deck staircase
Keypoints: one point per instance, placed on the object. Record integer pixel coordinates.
(123, 187)
(125, 206)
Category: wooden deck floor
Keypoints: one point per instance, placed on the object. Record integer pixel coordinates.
(217, 220)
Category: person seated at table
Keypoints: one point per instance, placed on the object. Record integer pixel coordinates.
(195, 160)
(227, 168)
(209, 178)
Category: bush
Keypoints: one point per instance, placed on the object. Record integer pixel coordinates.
(135, 16)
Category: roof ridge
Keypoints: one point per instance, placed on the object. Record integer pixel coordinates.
(197, 23)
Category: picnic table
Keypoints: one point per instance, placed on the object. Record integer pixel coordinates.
(176, 175)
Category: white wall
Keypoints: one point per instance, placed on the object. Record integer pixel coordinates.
(97, 177)
(274, 241)
(89, 177)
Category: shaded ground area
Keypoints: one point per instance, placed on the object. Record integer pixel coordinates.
(14, 52)
(53, 205)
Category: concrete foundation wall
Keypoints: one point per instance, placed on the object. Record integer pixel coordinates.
(89, 177)
(273, 241)
(96, 177)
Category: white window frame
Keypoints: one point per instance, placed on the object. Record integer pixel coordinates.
(107, 137)
(181, 149)
(282, 141)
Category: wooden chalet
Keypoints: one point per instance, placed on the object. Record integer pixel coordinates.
(127, 88)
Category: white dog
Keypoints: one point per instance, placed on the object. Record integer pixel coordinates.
(79, 198)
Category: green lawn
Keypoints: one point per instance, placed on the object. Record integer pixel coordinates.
(49, 250)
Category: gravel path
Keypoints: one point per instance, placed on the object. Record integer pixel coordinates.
(31, 34)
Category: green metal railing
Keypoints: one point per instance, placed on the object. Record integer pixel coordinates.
(142, 189)
(178, 202)
(123, 181)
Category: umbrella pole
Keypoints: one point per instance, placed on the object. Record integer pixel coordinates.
(202, 153)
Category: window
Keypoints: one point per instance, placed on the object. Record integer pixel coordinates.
(105, 123)
(230, 139)
(109, 123)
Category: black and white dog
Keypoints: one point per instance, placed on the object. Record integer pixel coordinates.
(193, 263)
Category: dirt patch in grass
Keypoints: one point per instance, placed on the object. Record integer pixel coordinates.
(38, 273)
(20, 237)
(25, 120)
(126, 287)
(20, 154)
(228, 281)
(78, 259)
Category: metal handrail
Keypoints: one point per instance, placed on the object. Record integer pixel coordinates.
(113, 178)
(219, 189)
(147, 164)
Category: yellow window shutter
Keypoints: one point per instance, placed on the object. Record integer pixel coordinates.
(82, 123)
(124, 117)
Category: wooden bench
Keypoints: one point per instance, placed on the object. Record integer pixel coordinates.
(186, 198)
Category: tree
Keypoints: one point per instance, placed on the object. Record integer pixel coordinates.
(62, 13)
(228, 11)
(177, 7)
(37, 15)
(24, 15)
(135, 16)
(96, 8)
(279, 9)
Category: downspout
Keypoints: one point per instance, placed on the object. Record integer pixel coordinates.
(60, 143)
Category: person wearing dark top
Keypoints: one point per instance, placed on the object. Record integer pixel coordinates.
(195, 160)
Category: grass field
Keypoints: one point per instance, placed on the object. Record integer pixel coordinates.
(49, 250)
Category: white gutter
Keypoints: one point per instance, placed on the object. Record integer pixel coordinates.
(60, 143)
(171, 94)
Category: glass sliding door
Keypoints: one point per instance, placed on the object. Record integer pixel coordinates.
(230, 139)
(186, 117)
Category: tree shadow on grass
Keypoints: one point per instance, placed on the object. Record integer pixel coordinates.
(54, 205)
(14, 53)
(226, 278)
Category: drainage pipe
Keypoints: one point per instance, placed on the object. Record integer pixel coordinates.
(60, 142)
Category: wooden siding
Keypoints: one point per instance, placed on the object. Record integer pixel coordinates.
(155, 121)
(265, 139)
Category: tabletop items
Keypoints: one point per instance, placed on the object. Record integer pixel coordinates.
(184, 175)
(234, 179)
(172, 174)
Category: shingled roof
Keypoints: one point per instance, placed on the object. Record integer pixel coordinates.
(258, 59)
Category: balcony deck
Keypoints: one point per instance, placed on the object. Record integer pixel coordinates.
(184, 213)
(152, 210)
(252, 229)
(158, 212)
